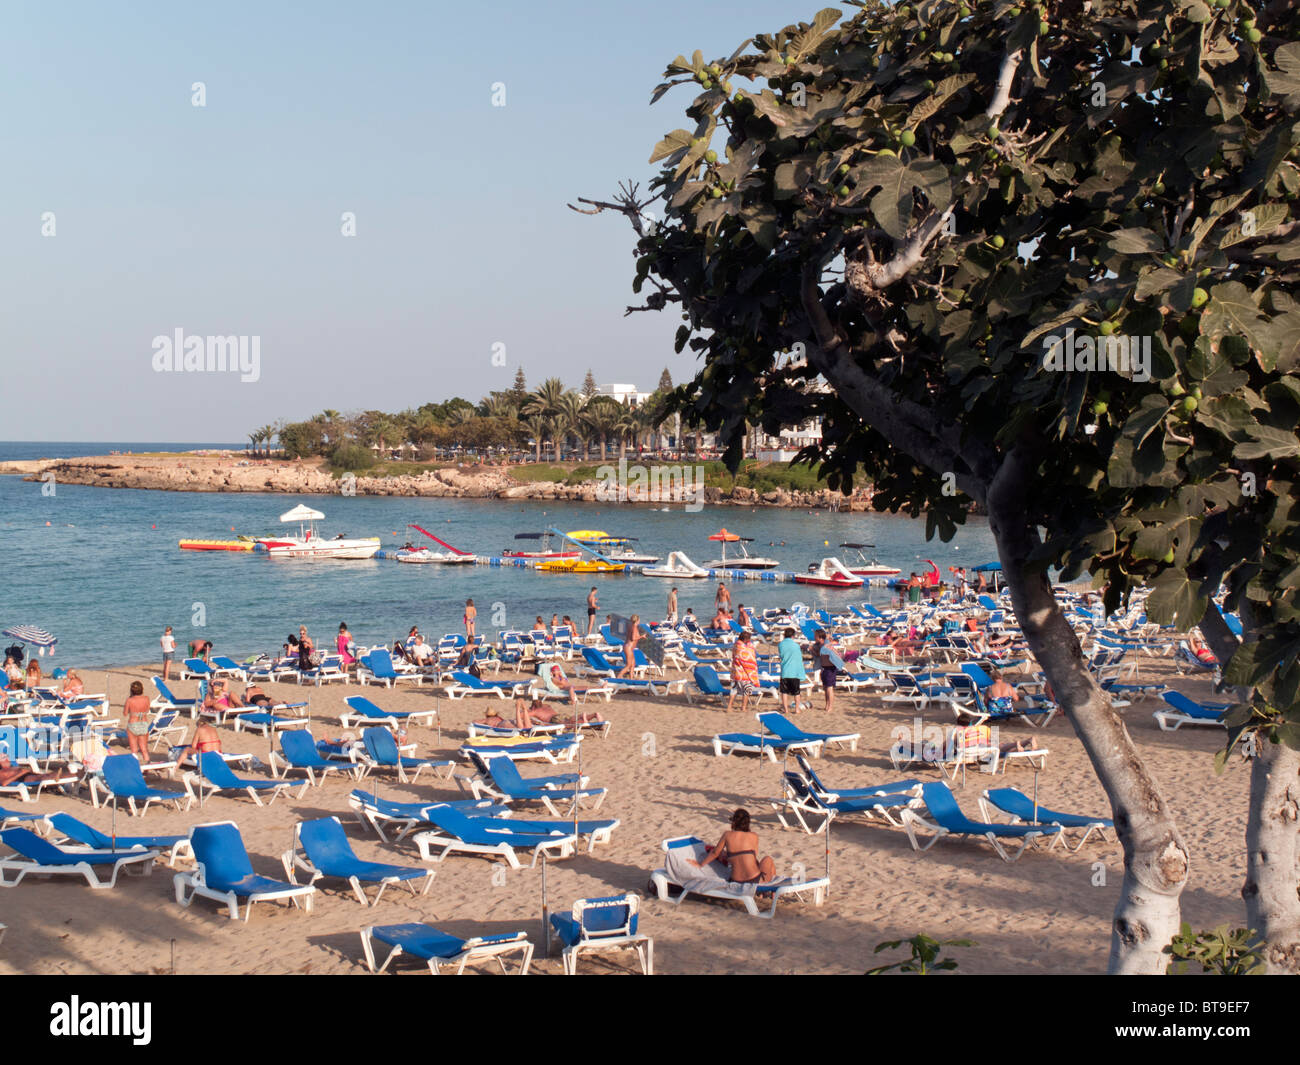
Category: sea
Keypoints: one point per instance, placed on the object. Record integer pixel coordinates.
(100, 567)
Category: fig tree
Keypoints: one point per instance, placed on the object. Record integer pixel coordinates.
(1199, 296)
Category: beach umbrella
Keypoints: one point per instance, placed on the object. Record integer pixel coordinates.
(546, 914)
(34, 635)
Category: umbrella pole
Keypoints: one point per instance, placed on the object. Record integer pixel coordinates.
(546, 914)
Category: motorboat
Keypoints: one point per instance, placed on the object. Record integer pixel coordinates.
(310, 544)
(616, 548)
(830, 573)
(744, 560)
(864, 567)
(678, 567)
(545, 554)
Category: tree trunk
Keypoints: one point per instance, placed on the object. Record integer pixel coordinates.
(1155, 858)
(1272, 853)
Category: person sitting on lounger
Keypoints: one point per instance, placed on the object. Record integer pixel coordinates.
(15, 774)
(1200, 650)
(13, 670)
(738, 848)
(205, 739)
(555, 678)
(72, 686)
(33, 674)
(220, 697)
(467, 662)
(1001, 695)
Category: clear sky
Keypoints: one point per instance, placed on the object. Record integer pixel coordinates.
(226, 219)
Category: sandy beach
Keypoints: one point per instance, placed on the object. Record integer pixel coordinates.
(1047, 913)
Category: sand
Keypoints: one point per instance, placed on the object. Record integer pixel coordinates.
(1048, 913)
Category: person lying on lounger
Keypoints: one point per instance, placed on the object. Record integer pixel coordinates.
(539, 713)
(13, 774)
(220, 697)
(1200, 650)
(254, 696)
(738, 849)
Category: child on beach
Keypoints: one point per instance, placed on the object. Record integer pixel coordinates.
(168, 642)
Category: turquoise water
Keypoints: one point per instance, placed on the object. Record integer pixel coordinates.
(105, 574)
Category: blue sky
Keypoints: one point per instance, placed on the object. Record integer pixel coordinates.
(225, 219)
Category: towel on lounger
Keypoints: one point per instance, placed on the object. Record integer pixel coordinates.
(701, 879)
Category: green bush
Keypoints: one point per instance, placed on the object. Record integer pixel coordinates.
(1227, 953)
(351, 458)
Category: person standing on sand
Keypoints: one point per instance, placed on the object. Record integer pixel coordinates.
(822, 650)
(629, 647)
(792, 672)
(168, 642)
(744, 672)
(137, 712)
(592, 606)
(672, 607)
(471, 617)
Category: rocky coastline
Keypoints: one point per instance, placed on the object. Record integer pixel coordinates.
(232, 473)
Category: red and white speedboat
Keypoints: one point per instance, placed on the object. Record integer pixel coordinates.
(545, 554)
(864, 567)
(310, 544)
(831, 573)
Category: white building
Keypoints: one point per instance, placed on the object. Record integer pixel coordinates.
(624, 394)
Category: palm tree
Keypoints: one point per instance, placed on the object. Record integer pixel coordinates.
(601, 416)
(568, 418)
(536, 427)
(628, 425)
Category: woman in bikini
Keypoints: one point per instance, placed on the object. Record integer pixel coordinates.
(471, 617)
(73, 688)
(629, 647)
(137, 711)
(540, 714)
(205, 739)
(738, 848)
(13, 774)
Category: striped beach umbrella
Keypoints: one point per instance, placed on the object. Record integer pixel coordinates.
(33, 635)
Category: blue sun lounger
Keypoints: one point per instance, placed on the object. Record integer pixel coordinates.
(600, 666)
(382, 753)
(378, 812)
(1186, 711)
(165, 700)
(40, 857)
(441, 948)
(225, 874)
(948, 820)
(299, 752)
(1022, 809)
(898, 787)
(782, 727)
(216, 776)
(464, 684)
(81, 833)
(321, 849)
(800, 798)
(377, 666)
(9, 818)
(456, 833)
(563, 748)
(598, 925)
(364, 712)
(123, 779)
(508, 784)
(678, 875)
(728, 743)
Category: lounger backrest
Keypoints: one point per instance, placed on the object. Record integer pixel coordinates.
(362, 705)
(942, 804)
(381, 746)
(975, 671)
(381, 664)
(324, 841)
(122, 775)
(213, 768)
(74, 829)
(780, 725)
(220, 850)
(197, 665)
(30, 845)
(452, 820)
(798, 786)
(808, 627)
(1186, 705)
(505, 773)
(706, 679)
(597, 660)
(225, 662)
(299, 747)
(1012, 801)
(607, 917)
(468, 680)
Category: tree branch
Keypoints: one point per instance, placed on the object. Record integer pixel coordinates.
(1006, 75)
(867, 278)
